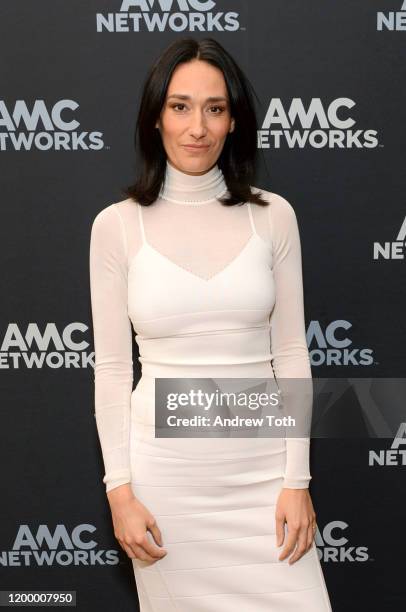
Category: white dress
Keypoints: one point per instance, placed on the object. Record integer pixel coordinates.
(210, 291)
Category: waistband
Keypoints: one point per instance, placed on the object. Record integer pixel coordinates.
(231, 348)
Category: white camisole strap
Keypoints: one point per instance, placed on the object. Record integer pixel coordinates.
(139, 206)
(142, 228)
(254, 231)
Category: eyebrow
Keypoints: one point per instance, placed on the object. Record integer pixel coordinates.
(210, 99)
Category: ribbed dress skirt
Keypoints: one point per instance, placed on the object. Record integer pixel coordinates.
(214, 498)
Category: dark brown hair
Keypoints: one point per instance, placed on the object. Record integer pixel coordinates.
(238, 156)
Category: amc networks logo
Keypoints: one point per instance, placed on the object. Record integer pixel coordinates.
(333, 545)
(174, 15)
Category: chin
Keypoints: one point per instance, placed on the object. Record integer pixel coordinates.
(198, 165)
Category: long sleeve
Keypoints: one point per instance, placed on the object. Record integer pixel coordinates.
(288, 334)
(113, 372)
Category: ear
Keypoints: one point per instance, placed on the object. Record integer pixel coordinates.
(232, 126)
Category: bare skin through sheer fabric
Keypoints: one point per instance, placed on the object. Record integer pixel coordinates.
(209, 291)
(204, 239)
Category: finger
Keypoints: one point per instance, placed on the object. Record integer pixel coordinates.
(156, 533)
(310, 536)
(134, 552)
(140, 553)
(129, 552)
(151, 548)
(279, 530)
(290, 543)
(301, 546)
(122, 546)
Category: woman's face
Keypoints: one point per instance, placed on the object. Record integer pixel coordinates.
(196, 112)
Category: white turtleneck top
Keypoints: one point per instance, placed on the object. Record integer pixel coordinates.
(190, 233)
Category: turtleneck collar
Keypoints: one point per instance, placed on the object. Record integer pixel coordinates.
(193, 189)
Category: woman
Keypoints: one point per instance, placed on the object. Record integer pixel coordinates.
(207, 269)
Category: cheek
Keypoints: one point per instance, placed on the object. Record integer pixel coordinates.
(174, 128)
(220, 127)
(169, 123)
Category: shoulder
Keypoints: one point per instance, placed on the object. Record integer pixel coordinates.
(113, 218)
(280, 218)
(112, 213)
(278, 206)
(109, 225)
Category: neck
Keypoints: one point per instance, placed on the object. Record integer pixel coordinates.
(193, 189)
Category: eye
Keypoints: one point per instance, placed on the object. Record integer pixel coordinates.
(221, 108)
(178, 104)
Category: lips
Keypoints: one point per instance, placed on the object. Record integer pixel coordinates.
(196, 147)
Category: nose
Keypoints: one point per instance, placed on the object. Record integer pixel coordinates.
(198, 124)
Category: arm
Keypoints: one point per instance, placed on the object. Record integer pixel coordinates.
(288, 334)
(113, 372)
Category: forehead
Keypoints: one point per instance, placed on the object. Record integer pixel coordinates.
(197, 79)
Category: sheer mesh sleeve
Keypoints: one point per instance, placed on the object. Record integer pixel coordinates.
(113, 372)
(288, 335)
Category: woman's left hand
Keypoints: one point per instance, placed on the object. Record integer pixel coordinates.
(295, 507)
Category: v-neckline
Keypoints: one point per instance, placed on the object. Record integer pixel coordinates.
(147, 245)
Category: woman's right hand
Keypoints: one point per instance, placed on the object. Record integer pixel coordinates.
(131, 521)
